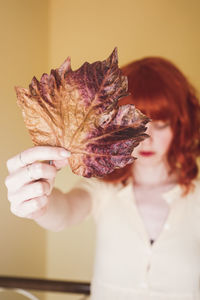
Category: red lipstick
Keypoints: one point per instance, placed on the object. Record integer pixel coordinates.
(146, 153)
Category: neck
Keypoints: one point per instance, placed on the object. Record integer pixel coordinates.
(156, 175)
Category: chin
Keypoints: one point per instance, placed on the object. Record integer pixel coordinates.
(147, 161)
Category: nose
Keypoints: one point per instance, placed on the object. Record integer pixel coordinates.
(149, 131)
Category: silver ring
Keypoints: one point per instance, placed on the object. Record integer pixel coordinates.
(21, 160)
(29, 173)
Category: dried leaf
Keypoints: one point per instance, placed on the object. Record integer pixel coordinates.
(78, 110)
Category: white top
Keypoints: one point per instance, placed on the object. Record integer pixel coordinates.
(126, 266)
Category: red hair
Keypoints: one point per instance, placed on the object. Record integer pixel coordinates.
(159, 90)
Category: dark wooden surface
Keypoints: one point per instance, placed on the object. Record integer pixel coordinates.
(48, 285)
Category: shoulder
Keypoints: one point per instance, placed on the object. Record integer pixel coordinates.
(194, 194)
(196, 187)
(97, 187)
(193, 207)
(103, 194)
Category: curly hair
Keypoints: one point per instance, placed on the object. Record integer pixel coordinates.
(161, 91)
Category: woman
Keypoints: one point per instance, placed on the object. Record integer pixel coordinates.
(148, 213)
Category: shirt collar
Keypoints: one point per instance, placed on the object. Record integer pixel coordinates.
(169, 196)
(172, 194)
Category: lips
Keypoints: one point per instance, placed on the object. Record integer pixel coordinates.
(146, 153)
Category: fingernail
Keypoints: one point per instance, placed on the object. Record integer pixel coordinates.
(65, 153)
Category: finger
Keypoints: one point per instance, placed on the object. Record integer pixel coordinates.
(51, 184)
(30, 173)
(30, 191)
(31, 208)
(59, 164)
(37, 153)
(36, 214)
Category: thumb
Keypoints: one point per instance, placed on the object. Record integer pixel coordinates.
(59, 164)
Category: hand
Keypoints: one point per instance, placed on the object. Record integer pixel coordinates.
(31, 179)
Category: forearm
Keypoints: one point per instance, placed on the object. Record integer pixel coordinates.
(65, 209)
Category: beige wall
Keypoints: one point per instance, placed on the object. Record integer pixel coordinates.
(85, 30)
(23, 53)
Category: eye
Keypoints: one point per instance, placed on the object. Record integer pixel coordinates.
(160, 124)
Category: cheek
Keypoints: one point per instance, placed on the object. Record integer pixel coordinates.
(137, 150)
(164, 141)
